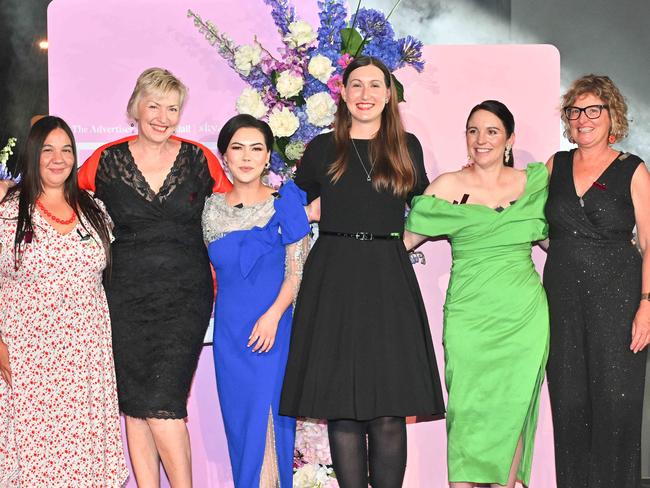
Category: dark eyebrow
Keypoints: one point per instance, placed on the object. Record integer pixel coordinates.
(242, 144)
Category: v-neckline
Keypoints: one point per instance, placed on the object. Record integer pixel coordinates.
(140, 175)
(602, 173)
(54, 229)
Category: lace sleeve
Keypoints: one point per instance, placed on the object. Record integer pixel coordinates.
(210, 219)
(296, 255)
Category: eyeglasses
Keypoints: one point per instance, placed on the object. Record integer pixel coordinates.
(592, 111)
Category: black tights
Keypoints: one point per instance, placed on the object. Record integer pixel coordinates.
(373, 450)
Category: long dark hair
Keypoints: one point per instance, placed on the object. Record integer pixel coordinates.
(394, 169)
(505, 116)
(30, 187)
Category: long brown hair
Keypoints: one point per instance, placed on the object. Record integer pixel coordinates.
(30, 187)
(393, 170)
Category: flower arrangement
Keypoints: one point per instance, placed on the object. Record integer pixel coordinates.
(5, 153)
(312, 463)
(297, 91)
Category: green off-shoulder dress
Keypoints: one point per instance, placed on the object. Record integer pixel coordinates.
(496, 328)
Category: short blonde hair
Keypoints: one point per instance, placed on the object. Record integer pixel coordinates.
(605, 89)
(156, 81)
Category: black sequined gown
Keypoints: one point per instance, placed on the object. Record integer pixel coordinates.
(593, 282)
(160, 287)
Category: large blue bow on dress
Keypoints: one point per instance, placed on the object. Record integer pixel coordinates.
(288, 224)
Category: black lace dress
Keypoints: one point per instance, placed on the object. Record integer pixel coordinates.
(160, 287)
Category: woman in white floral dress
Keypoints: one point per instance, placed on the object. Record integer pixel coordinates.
(59, 421)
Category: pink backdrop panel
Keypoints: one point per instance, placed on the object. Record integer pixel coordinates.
(97, 49)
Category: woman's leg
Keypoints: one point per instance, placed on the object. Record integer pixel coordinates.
(387, 451)
(142, 453)
(173, 444)
(349, 450)
(512, 477)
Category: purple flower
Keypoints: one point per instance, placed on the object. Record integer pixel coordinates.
(387, 50)
(283, 14)
(411, 49)
(373, 24)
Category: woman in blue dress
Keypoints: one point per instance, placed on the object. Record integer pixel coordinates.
(257, 239)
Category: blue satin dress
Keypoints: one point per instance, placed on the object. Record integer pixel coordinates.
(250, 269)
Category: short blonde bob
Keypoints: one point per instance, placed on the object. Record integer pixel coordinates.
(156, 81)
(605, 89)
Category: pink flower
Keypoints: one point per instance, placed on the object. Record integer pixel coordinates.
(335, 83)
(345, 60)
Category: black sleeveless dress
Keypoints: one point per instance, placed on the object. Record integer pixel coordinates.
(360, 345)
(593, 283)
(159, 288)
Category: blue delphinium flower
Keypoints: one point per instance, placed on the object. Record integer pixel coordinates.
(387, 50)
(257, 79)
(411, 49)
(332, 15)
(373, 24)
(283, 14)
(306, 131)
(277, 163)
(312, 86)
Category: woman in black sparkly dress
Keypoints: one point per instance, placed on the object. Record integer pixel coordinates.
(597, 285)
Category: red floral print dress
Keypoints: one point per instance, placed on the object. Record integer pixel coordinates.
(59, 423)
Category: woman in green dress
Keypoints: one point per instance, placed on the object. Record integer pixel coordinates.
(496, 328)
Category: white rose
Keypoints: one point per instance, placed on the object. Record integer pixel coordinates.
(300, 33)
(288, 84)
(320, 68)
(320, 109)
(246, 57)
(305, 476)
(283, 122)
(250, 102)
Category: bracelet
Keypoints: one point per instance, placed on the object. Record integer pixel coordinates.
(645, 296)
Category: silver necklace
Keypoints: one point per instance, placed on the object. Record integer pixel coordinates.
(372, 163)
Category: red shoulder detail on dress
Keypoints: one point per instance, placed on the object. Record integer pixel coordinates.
(88, 170)
(221, 182)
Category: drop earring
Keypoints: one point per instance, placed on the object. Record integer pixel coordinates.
(611, 139)
(506, 155)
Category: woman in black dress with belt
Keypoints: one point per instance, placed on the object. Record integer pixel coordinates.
(361, 354)
(597, 285)
(159, 289)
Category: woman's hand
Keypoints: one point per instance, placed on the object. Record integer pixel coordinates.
(313, 210)
(4, 187)
(263, 334)
(641, 327)
(5, 369)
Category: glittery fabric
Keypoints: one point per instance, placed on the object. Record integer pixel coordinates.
(593, 281)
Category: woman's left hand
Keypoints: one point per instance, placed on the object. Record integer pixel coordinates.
(263, 334)
(641, 327)
(313, 210)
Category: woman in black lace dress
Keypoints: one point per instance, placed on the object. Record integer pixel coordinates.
(597, 286)
(159, 288)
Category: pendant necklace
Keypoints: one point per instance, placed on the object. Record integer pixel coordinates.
(372, 163)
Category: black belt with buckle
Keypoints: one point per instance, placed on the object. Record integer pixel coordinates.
(361, 236)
